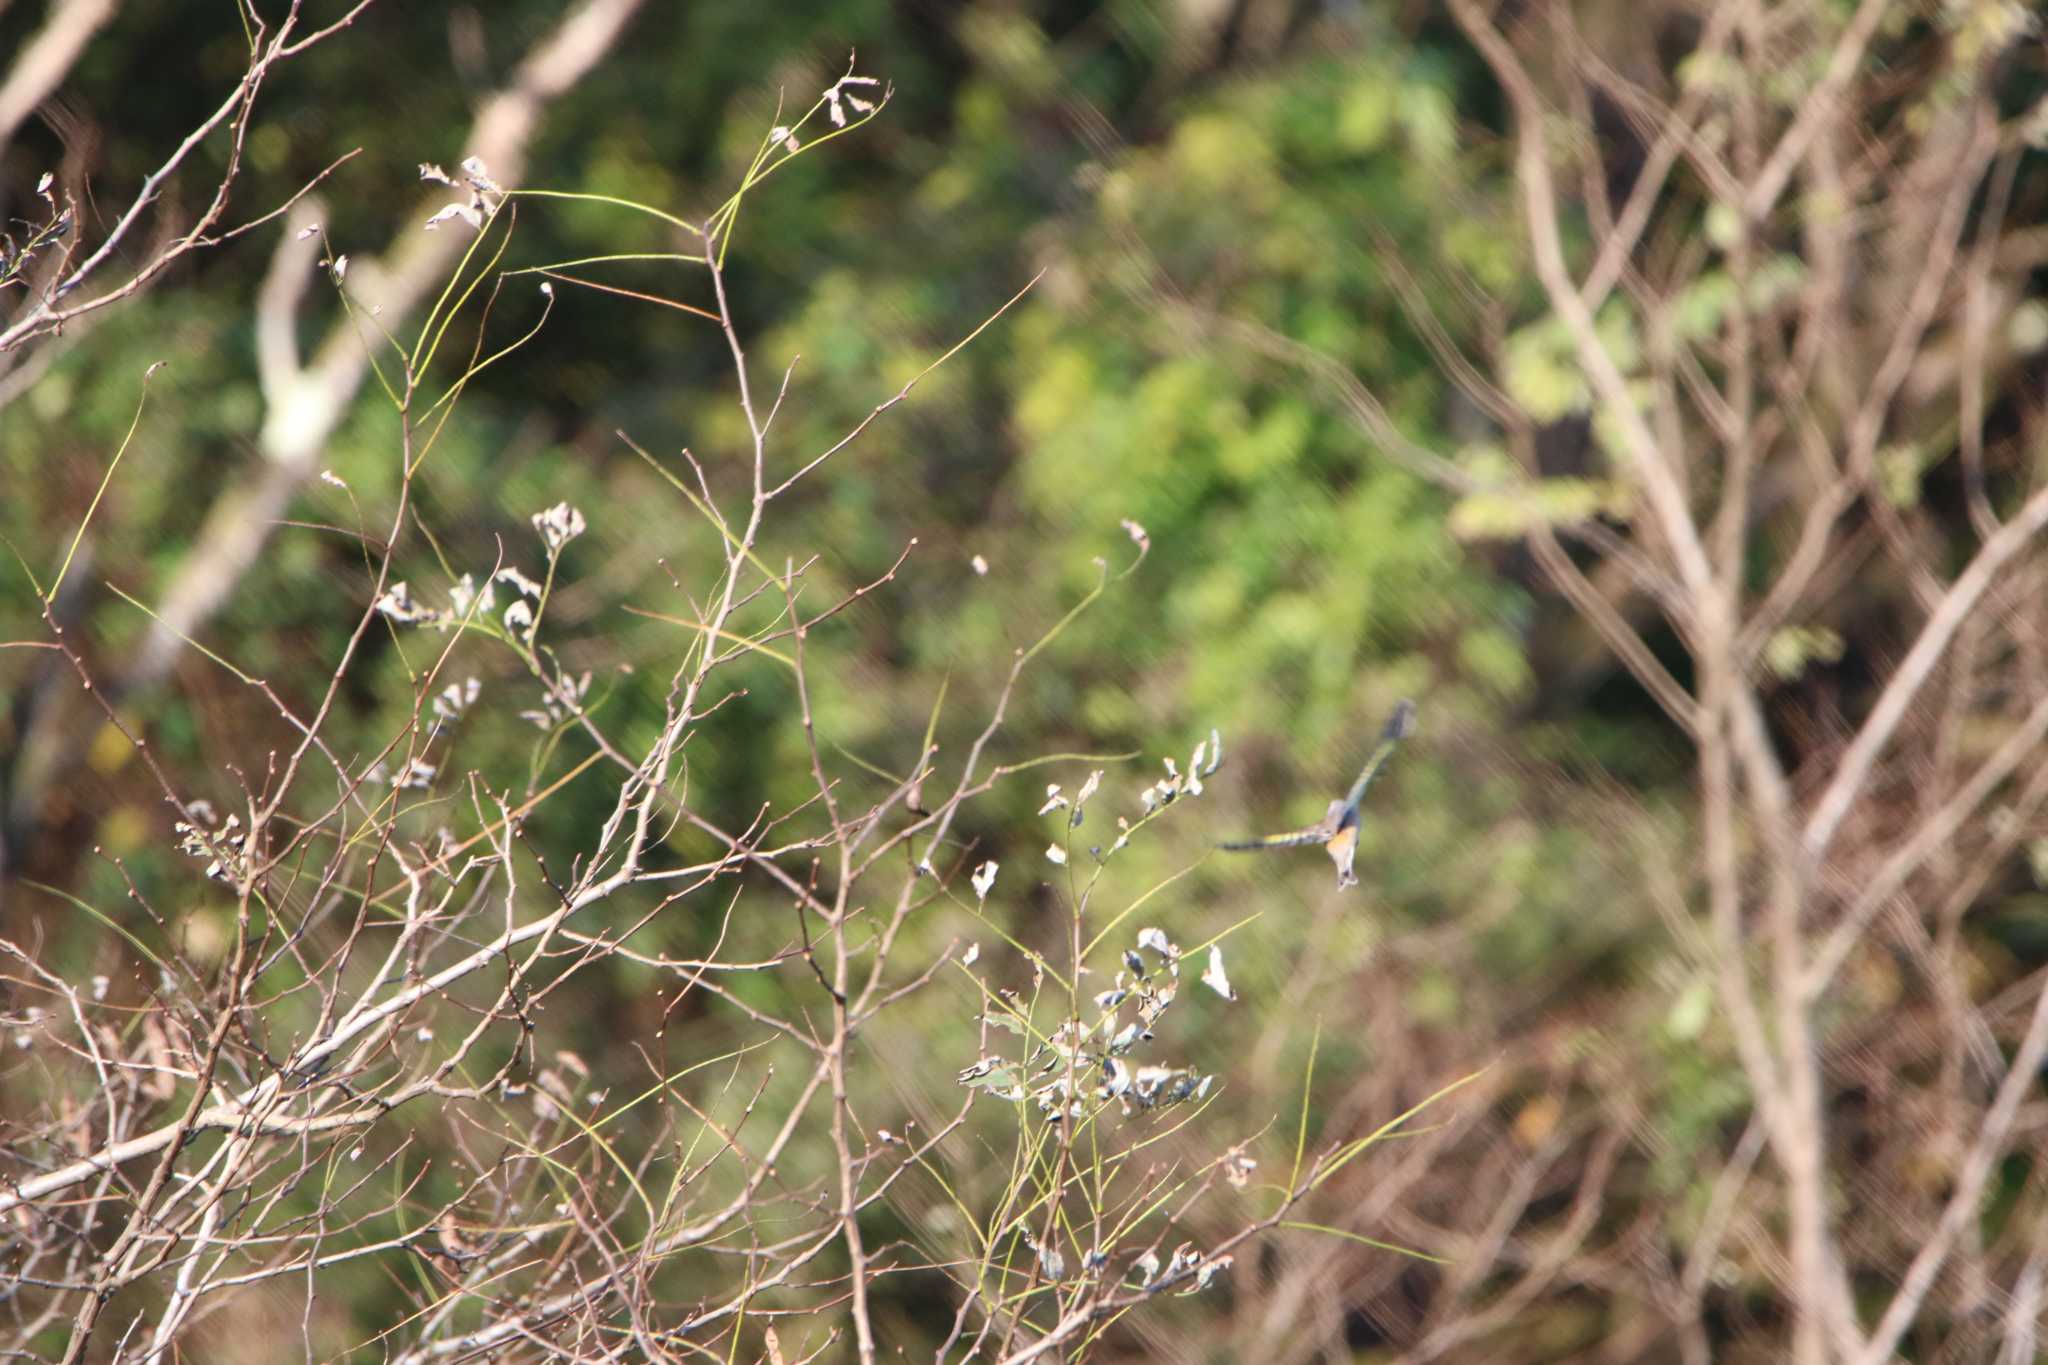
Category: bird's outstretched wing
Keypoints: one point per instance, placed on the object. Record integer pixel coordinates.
(1318, 833)
(1399, 726)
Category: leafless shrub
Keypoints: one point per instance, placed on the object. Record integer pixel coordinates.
(338, 1069)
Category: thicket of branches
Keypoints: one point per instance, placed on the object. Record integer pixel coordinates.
(345, 1090)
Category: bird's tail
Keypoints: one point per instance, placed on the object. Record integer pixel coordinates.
(1298, 839)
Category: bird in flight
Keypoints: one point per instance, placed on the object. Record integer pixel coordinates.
(1337, 831)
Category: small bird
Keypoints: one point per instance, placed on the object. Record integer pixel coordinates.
(1337, 831)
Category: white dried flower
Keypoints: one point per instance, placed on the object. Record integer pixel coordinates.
(473, 171)
(1057, 855)
(456, 698)
(510, 574)
(1214, 977)
(417, 774)
(469, 213)
(559, 525)
(397, 604)
(1087, 790)
(463, 595)
(984, 878)
(839, 92)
